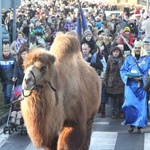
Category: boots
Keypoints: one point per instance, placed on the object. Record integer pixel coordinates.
(131, 129)
(102, 110)
(140, 130)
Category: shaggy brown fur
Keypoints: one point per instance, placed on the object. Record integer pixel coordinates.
(63, 97)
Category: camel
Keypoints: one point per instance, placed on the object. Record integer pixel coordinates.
(61, 96)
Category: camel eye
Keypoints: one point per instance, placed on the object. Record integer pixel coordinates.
(43, 69)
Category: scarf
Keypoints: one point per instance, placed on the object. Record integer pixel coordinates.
(18, 44)
(6, 57)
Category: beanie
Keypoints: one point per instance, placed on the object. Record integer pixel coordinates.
(126, 29)
(87, 32)
(98, 25)
(146, 40)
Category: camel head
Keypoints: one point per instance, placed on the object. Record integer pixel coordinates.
(38, 69)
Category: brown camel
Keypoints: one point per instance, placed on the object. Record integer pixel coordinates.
(61, 96)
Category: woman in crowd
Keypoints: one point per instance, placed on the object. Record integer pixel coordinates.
(113, 82)
(15, 46)
(18, 74)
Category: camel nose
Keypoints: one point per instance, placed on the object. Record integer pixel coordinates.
(28, 81)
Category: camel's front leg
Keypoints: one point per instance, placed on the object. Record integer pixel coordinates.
(72, 137)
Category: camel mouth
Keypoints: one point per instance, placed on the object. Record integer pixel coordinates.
(27, 87)
(29, 81)
(28, 84)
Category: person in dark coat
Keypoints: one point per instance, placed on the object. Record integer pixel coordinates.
(113, 81)
(89, 38)
(126, 10)
(18, 73)
(95, 60)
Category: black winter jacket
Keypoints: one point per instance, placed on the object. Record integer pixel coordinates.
(6, 69)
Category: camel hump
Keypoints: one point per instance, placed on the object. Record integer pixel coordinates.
(64, 45)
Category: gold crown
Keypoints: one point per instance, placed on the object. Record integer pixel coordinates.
(5, 46)
(104, 38)
(138, 43)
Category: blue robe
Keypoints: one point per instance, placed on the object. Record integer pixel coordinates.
(135, 101)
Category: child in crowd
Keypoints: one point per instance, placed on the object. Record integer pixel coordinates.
(6, 72)
(16, 114)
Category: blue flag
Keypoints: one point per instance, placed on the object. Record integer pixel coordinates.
(79, 30)
(84, 23)
(81, 20)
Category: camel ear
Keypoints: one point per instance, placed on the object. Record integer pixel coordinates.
(47, 58)
(51, 59)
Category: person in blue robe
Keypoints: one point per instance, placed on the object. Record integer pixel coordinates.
(133, 72)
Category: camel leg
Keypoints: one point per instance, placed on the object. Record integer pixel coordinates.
(53, 145)
(89, 133)
(72, 137)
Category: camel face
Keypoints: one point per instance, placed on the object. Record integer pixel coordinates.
(34, 76)
(37, 70)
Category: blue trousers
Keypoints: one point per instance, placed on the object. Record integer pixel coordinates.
(7, 89)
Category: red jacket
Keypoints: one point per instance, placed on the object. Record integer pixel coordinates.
(130, 40)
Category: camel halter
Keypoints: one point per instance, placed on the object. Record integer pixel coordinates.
(35, 87)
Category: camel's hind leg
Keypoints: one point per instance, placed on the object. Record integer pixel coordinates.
(53, 145)
(89, 133)
(72, 137)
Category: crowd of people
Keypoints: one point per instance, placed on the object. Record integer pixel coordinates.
(116, 46)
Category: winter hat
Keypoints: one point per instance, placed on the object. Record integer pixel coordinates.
(68, 19)
(146, 27)
(98, 24)
(87, 32)
(126, 29)
(146, 40)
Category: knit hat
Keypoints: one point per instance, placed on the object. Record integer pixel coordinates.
(126, 29)
(146, 40)
(87, 32)
(98, 24)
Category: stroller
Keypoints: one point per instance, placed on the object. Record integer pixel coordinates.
(14, 124)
